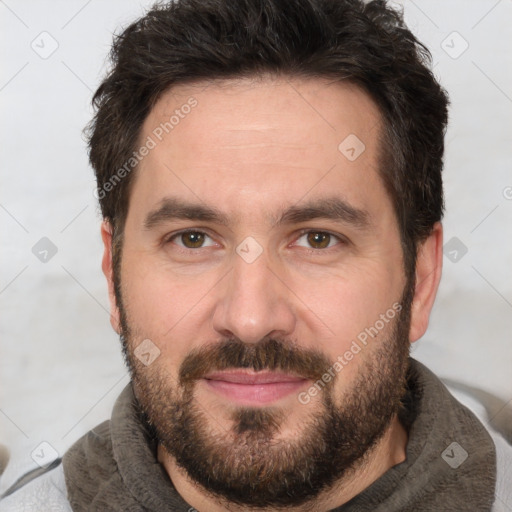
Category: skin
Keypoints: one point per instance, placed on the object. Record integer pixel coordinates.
(251, 149)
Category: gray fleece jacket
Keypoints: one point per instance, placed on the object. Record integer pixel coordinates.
(453, 464)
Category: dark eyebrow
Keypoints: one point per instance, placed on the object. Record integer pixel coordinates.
(328, 208)
(172, 208)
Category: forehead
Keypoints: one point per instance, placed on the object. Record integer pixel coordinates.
(253, 144)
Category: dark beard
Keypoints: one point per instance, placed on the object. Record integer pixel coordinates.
(246, 464)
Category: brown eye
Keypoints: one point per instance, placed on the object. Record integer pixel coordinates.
(192, 239)
(318, 239)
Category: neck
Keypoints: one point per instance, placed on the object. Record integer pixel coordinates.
(388, 452)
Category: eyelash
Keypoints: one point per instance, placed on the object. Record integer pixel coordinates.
(173, 236)
(340, 239)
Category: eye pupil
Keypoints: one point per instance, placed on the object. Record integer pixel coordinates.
(319, 240)
(192, 239)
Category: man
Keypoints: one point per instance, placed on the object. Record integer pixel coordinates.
(269, 174)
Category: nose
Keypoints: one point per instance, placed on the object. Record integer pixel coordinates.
(254, 303)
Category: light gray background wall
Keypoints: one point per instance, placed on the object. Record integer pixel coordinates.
(60, 363)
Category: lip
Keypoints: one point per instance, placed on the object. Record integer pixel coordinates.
(253, 388)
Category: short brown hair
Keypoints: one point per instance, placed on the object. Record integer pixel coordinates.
(365, 43)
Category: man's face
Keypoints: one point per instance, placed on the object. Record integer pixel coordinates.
(258, 252)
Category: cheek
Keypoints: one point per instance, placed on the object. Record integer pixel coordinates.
(351, 298)
(163, 307)
(352, 309)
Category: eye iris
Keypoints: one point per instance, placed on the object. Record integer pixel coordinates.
(319, 240)
(193, 239)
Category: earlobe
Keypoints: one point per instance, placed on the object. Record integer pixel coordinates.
(106, 266)
(429, 264)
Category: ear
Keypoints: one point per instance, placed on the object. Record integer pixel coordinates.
(429, 263)
(106, 266)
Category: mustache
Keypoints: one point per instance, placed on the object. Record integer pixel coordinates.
(269, 354)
